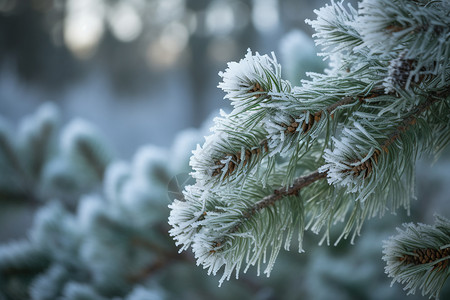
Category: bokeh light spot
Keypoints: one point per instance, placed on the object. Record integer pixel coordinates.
(265, 15)
(124, 21)
(83, 26)
(220, 18)
(222, 49)
(165, 51)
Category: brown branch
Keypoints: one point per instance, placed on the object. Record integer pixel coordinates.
(343, 101)
(405, 125)
(271, 199)
(291, 128)
(437, 29)
(408, 122)
(280, 193)
(164, 259)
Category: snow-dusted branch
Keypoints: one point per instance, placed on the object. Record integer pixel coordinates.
(366, 167)
(419, 256)
(361, 124)
(278, 195)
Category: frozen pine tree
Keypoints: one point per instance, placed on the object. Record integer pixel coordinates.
(340, 147)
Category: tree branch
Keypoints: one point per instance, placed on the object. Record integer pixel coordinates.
(306, 180)
(164, 259)
(410, 120)
(404, 125)
(291, 128)
(277, 195)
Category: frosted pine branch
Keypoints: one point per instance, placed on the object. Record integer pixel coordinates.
(351, 166)
(419, 256)
(362, 124)
(278, 195)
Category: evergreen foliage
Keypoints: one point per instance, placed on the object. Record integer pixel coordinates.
(100, 228)
(341, 147)
(41, 162)
(362, 124)
(418, 256)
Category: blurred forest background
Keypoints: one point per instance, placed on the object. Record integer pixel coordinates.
(133, 66)
(144, 71)
(140, 70)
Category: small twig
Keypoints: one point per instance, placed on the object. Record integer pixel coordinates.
(164, 259)
(236, 160)
(279, 194)
(271, 199)
(404, 125)
(408, 121)
(305, 127)
(149, 270)
(344, 101)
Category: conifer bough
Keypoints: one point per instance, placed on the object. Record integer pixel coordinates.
(361, 125)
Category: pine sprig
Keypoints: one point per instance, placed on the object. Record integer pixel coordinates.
(249, 82)
(234, 160)
(278, 195)
(83, 143)
(334, 28)
(223, 227)
(418, 256)
(351, 166)
(230, 152)
(417, 28)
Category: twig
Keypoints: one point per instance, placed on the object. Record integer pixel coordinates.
(271, 199)
(404, 125)
(164, 259)
(409, 121)
(149, 270)
(279, 194)
(262, 149)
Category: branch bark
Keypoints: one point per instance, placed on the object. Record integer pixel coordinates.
(279, 194)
